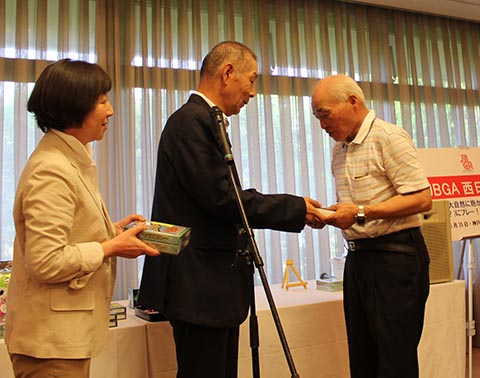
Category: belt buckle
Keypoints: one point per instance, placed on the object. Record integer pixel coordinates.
(351, 245)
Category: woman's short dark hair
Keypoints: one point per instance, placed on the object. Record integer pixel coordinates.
(65, 92)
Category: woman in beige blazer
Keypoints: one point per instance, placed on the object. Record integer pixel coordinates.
(65, 245)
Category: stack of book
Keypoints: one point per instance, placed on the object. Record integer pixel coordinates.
(117, 312)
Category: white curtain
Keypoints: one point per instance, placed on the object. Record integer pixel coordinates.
(419, 71)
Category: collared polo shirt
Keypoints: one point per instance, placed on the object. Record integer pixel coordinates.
(378, 164)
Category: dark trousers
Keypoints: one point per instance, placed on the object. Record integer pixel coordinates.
(205, 351)
(384, 303)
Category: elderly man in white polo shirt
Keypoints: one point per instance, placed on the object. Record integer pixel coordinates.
(381, 189)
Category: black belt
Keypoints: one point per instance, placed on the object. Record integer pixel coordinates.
(400, 241)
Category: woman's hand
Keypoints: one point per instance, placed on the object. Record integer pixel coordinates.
(127, 220)
(126, 243)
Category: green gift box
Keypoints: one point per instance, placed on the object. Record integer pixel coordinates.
(164, 237)
(330, 284)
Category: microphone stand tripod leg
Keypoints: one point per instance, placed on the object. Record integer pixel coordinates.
(254, 338)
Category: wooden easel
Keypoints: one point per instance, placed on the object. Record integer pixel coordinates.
(285, 282)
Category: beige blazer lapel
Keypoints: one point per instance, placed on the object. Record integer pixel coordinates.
(93, 190)
(88, 176)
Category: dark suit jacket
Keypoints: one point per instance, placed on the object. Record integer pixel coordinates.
(207, 283)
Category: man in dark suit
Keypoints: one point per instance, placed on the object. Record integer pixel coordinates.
(205, 291)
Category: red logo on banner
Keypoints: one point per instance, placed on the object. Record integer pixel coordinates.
(445, 187)
(467, 164)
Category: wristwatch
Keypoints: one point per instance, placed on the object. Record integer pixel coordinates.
(360, 217)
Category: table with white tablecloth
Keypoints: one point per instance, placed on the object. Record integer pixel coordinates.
(314, 328)
(123, 356)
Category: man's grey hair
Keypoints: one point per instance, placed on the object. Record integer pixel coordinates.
(343, 87)
(228, 50)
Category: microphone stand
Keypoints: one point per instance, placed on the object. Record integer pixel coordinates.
(220, 132)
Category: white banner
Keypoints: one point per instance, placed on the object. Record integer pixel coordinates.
(454, 175)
